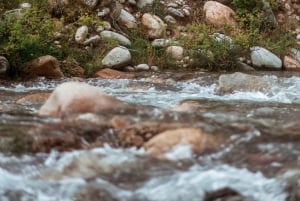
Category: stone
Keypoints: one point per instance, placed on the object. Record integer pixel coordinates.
(108, 73)
(230, 83)
(154, 25)
(143, 3)
(73, 98)
(223, 38)
(4, 65)
(218, 14)
(25, 5)
(161, 42)
(47, 66)
(117, 58)
(81, 34)
(244, 67)
(170, 19)
(175, 12)
(113, 35)
(164, 142)
(175, 52)
(262, 57)
(71, 68)
(290, 64)
(90, 3)
(142, 67)
(33, 98)
(295, 53)
(92, 40)
(127, 19)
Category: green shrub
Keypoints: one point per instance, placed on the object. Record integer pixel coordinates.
(28, 36)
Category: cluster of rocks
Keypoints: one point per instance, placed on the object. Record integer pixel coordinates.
(122, 14)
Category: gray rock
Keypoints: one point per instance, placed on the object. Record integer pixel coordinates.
(229, 83)
(4, 65)
(117, 58)
(113, 35)
(173, 5)
(175, 12)
(170, 19)
(161, 42)
(244, 67)
(81, 34)
(154, 68)
(262, 57)
(127, 19)
(223, 38)
(295, 54)
(142, 67)
(92, 40)
(143, 3)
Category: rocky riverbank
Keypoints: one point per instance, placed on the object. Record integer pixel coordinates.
(84, 37)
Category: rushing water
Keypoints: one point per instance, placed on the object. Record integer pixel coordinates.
(251, 162)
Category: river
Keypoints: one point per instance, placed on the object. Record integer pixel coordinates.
(259, 159)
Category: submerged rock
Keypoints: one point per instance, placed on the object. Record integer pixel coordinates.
(108, 73)
(73, 98)
(229, 83)
(198, 140)
(33, 98)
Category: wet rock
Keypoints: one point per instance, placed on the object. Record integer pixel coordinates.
(113, 35)
(225, 194)
(154, 25)
(33, 98)
(47, 66)
(81, 34)
(62, 142)
(108, 73)
(197, 139)
(93, 193)
(290, 64)
(229, 83)
(73, 98)
(127, 19)
(218, 14)
(4, 65)
(262, 57)
(175, 52)
(137, 134)
(117, 58)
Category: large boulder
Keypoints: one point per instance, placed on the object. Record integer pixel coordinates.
(47, 66)
(4, 65)
(72, 98)
(218, 14)
(117, 58)
(229, 83)
(263, 58)
(154, 25)
(198, 140)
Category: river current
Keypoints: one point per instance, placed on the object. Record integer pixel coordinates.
(257, 161)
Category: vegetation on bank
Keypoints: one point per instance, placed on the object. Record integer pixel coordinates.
(33, 33)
